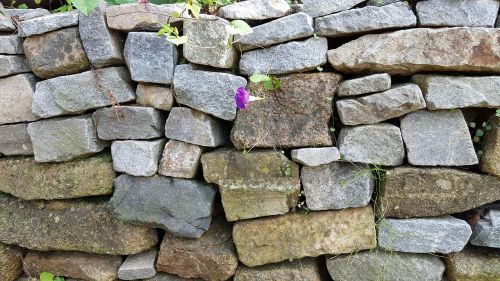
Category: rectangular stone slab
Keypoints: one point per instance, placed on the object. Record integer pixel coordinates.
(15, 140)
(16, 98)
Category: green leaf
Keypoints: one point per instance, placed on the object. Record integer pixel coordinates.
(319, 68)
(479, 133)
(175, 15)
(476, 139)
(177, 40)
(332, 130)
(488, 127)
(497, 113)
(269, 85)
(85, 6)
(472, 124)
(38, 2)
(277, 83)
(59, 279)
(166, 30)
(46, 276)
(22, 6)
(258, 77)
(238, 27)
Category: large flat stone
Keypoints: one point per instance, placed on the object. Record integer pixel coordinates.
(11, 265)
(139, 266)
(137, 158)
(180, 160)
(11, 45)
(27, 14)
(365, 85)
(295, 56)
(437, 13)
(256, 184)
(140, 17)
(424, 192)
(318, 8)
(255, 10)
(50, 225)
(298, 270)
(490, 161)
(182, 207)
(296, 115)
(16, 98)
(486, 232)
(416, 50)
(15, 64)
(15, 140)
(155, 95)
(315, 156)
(48, 23)
(437, 138)
(473, 264)
(294, 236)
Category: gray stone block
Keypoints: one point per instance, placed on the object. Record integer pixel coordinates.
(318, 8)
(10, 65)
(457, 13)
(137, 158)
(315, 156)
(365, 85)
(44, 24)
(15, 140)
(180, 160)
(381, 2)
(27, 14)
(486, 233)
(11, 45)
(255, 10)
(6, 24)
(139, 266)
(16, 98)
(154, 95)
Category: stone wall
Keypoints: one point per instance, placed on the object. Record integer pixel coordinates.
(123, 156)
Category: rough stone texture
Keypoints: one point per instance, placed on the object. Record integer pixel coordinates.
(10, 65)
(375, 108)
(137, 158)
(11, 45)
(195, 127)
(27, 14)
(16, 98)
(182, 207)
(15, 140)
(380, 2)
(140, 47)
(211, 257)
(473, 264)
(318, 8)
(486, 233)
(64, 139)
(73, 94)
(315, 156)
(298, 270)
(365, 20)
(259, 183)
(449, 92)
(157, 96)
(6, 24)
(45, 24)
(301, 110)
(444, 234)
(437, 138)
(11, 265)
(180, 160)
(255, 10)
(140, 17)
(102, 45)
(383, 265)
(292, 27)
(55, 229)
(139, 266)
(337, 186)
(490, 161)
(435, 13)
(28, 180)
(129, 122)
(294, 236)
(365, 85)
(56, 53)
(169, 277)
(92, 267)
(415, 50)
(372, 144)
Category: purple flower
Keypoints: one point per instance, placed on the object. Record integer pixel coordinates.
(242, 98)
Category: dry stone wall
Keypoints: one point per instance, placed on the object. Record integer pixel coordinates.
(375, 157)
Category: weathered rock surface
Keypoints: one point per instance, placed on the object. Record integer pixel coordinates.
(11, 265)
(169, 277)
(6, 24)
(195, 127)
(182, 207)
(211, 257)
(45, 24)
(154, 95)
(295, 56)
(15, 140)
(490, 161)
(381, 2)
(301, 108)
(337, 186)
(137, 158)
(56, 53)
(365, 85)
(260, 183)
(437, 138)
(315, 156)
(207, 91)
(64, 139)
(438, 13)
(372, 144)
(11, 45)
(298, 270)
(318, 8)
(10, 65)
(415, 50)
(383, 265)
(139, 266)
(255, 10)
(27, 14)
(294, 236)
(444, 234)
(180, 160)
(140, 17)
(486, 233)
(55, 229)
(473, 264)
(16, 98)
(92, 267)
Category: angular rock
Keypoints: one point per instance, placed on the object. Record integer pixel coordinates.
(169, 277)
(92, 267)
(10, 65)
(381, 2)
(450, 92)
(295, 236)
(73, 94)
(384, 265)
(298, 270)
(56, 53)
(11, 265)
(195, 127)
(365, 20)
(137, 158)
(45, 24)
(260, 183)
(140, 17)
(6, 23)
(301, 111)
(28, 180)
(365, 85)
(424, 192)
(55, 229)
(11, 45)
(436, 13)
(211, 257)
(292, 27)
(182, 207)
(27, 14)
(372, 109)
(437, 138)
(180, 160)
(473, 264)
(379, 144)
(16, 98)
(318, 8)
(337, 186)
(410, 51)
(295, 56)
(490, 161)
(15, 140)
(444, 234)
(142, 45)
(206, 91)
(64, 139)
(255, 10)
(486, 233)
(139, 266)
(157, 96)
(315, 156)
(129, 122)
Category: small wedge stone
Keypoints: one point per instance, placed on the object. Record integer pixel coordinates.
(16, 98)
(137, 158)
(15, 140)
(486, 233)
(15, 64)
(155, 95)
(315, 156)
(318, 8)
(180, 160)
(365, 85)
(139, 266)
(11, 45)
